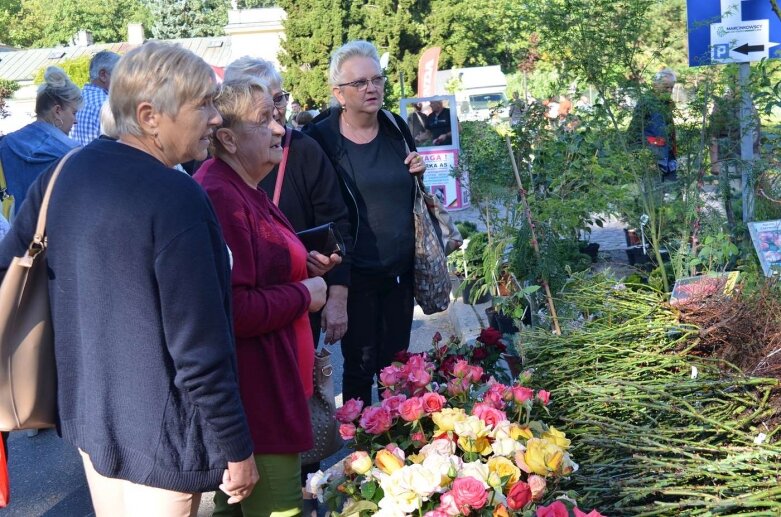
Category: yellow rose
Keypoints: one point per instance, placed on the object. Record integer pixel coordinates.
(387, 462)
(416, 458)
(500, 511)
(480, 445)
(472, 427)
(505, 469)
(360, 462)
(543, 457)
(518, 432)
(446, 419)
(555, 436)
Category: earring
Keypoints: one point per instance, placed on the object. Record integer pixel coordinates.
(344, 107)
(58, 123)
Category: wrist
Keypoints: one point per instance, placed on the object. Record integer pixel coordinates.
(337, 293)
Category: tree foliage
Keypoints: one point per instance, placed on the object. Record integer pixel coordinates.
(76, 68)
(42, 23)
(188, 18)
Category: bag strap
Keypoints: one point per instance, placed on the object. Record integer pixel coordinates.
(419, 178)
(282, 165)
(40, 229)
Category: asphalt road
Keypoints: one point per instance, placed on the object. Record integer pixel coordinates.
(47, 478)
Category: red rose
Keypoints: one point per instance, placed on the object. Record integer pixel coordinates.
(479, 353)
(555, 509)
(490, 336)
(401, 356)
(519, 496)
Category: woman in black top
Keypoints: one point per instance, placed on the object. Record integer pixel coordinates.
(367, 148)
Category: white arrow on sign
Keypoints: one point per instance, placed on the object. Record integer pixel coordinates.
(736, 41)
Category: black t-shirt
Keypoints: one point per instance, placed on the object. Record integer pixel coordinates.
(386, 232)
(439, 124)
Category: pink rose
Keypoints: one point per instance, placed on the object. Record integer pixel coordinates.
(544, 397)
(592, 513)
(415, 362)
(376, 420)
(411, 410)
(392, 404)
(537, 484)
(461, 369)
(419, 377)
(418, 438)
(475, 374)
(555, 509)
(488, 414)
(433, 402)
(496, 395)
(390, 375)
(457, 387)
(447, 504)
(521, 394)
(469, 494)
(347, 431)
(436, 513)
(519, 496)
(349, 411)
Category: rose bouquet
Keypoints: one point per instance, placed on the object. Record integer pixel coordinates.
(457, 447)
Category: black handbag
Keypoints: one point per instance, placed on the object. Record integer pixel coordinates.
(324, 239)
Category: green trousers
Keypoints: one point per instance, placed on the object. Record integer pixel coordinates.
(277, 494)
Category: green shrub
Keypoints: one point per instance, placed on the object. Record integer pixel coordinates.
(77, 69)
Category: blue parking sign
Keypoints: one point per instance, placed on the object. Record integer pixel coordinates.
(732, 31)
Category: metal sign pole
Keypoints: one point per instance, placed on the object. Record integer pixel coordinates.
(747, 129)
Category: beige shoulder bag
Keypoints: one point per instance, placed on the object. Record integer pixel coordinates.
(28, 376)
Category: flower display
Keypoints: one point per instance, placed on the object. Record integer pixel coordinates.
(448, 439)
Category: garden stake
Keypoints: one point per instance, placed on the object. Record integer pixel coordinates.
(535, 245)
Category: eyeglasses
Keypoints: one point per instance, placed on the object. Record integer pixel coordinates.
(363, 84)
(280, 99)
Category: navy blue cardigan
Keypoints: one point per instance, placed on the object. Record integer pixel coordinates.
(140, 296)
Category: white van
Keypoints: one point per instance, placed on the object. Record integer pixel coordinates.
(480, 90)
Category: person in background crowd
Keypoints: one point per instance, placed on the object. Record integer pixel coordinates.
(303, 118)
(26, 153)
(94, 93)
(417, 125)
(517, 109)
(147, 378)
(295, 109)
(367, 148)
(653, 126)
(272, 295)
(310, 197)
(438, 123)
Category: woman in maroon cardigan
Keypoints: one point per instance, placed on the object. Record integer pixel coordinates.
(272, 295)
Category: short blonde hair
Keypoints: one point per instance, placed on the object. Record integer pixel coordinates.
(107, 125)
(351, 49)
(167, 76)
(253, 67)
(236, 100)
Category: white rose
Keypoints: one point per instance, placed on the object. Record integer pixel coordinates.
(315, 483)
(472, 428)
(475, 469)
(398, 494)
(441, 447)
(501, 430)
(505, 447)
(420, 480)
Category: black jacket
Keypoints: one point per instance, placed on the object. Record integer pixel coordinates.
(325, 130)
(310, 196)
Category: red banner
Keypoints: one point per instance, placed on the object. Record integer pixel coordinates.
(427, 72)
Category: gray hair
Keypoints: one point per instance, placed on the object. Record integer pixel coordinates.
(351, 49)
(165, 75)
(103, 60)
(57, 89)
(665, 76)
(249, 66)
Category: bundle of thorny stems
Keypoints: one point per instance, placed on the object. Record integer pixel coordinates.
(659, 431)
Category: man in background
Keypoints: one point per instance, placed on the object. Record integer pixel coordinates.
(94, 94)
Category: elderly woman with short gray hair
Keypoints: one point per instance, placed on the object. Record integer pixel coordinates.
(140, 296)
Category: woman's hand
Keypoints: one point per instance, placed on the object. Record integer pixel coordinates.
(334, 319)
(239, 479)
(318, 264)
(317, 290)
(415, 162)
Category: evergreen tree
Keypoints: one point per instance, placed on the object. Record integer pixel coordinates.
(188, 18)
